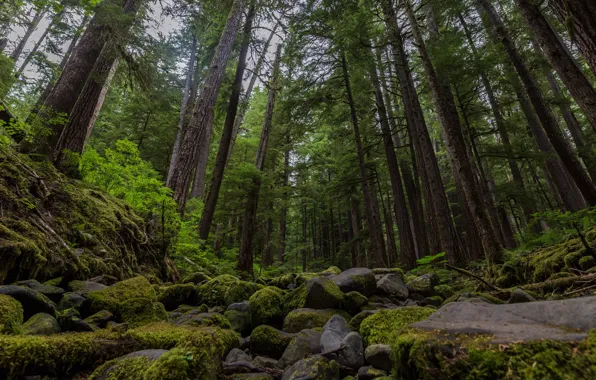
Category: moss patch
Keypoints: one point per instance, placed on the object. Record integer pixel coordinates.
(383, 327)
(266, 306)
(11, 315)
(269, 341)
(213, 292)
(301, 319)
(140, 311)
(112, 297)
(240, 291)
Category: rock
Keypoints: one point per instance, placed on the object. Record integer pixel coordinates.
(358, 318)
(333, 333)
(424, 284)
(369, 373)
(240, 291)
(52, 292)
(237, 355)
(306, 343)
(269, 341)
(140, 311)
(435, 301)
(379, 356)
(104, 279)
(41, 324)
(384, 271)
(118, 296)
(384, 326)
(351, 351)
(266, 306)
(283, 282)
(305, 318)
(71, 300)
(70, 320)
(31, 301)
(313, 368)
(173, 296)
(217, 309)
(84, 287)
(393, 286)
(354, 302)
(517, 322)
(196, 278)
(444, 291)
(264, 362)
(100, 319)
(332, 271)
(251, 376)
(203, 319)
(11, 315)
(213, 292)
(239, 306)
(124, 364)
(239, 320)
(519, 296)
(361, 280)
(316, 293)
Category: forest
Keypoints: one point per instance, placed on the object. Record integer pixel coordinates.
(310, 189)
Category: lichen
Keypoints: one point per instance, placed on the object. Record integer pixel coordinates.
(384, 326)
(266, 306)
(11, 315)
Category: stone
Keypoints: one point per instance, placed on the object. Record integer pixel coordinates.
(239, 321)
(333, 333)
(70, 320)
(41, 324)
(358, 318)
(267, 307)
(52, 292)
(32, 301)
(237, 355)
(140, 311)
(202, 319)
(369, 373)
(71, 300)
(306, 343)
(239, 306)
(321, 293)
(196, 278)
(313, 368)
(173, 296)
(379, 356)
(104, 279)
(104, 372)
(84, 287)
(354, 302)
(565, 320)
(264, 362)
(306, 318)
(100, 319)
(393, 286)
(361, 280)
(424, 285)
(269, 341)
(351, 351)
(11, 315)
(519, 296)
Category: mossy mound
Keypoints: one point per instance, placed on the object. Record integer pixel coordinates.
(267, 340)
(213, 292)
(45, 214)
(384, 326)
(175, 295)
(267, 306)
(300, 319)
(428, 355)
(240, 291)
(112, 297)
(316, 293)
(11, 315)
(283, 282)
(141, 311)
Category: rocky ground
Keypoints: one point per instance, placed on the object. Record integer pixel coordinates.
(356, 324)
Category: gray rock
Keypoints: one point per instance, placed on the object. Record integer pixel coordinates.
(151, 355)
(424, 284)
(52, 292)
(361, 280)
(237, 355)
(41, 324)
(71, 300)
(32, 301)
(239, 306)
(519, 296)
(100, 319)
(84, 287)
(319, 296)
(70, 320)
(253, 376)
(379, 356)
(306, 342)
(393, 285)
(313, 368)
(239, 320)
(369, 373)
(104, 279)
(264, 362)
(411, 303)
(333, 333)
(201, 319)
(517, 322)
(351, 352)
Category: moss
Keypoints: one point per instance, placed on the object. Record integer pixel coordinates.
(140, 311)
(213, 292)
(112, 297)
(330, 297)
(11, 315)
(354, 302)
(239, 320)
(398, 271)
(196, 278)
(444, 291)
(240, 291)
(206, 319)
(332, 270)
(267, 340)
(384, 326)
(176, 295)
(282, 282)
(100, 318)
(301, 278)
(41, 324)
(427, 355)
(301, 319)
(586, 262)
(266, 306)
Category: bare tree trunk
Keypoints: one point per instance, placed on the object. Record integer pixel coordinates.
(357, 254)
(198, 184)
(284, 208)
(268, 251)
(571, 162)
(226, 136)
(32, 25)
(184, 105)
(202, 118)
(57, 17)
(245, 259)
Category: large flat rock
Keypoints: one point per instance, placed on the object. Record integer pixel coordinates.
(565, 320)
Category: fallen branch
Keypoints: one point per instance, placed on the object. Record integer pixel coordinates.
(559, 283)
(579, 290)
(470, 274)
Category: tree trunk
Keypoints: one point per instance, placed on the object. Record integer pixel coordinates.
(284, 208)
(184, 105)
(198, 184)
(454, 140)
(562, 61)
(574, 167)
(245, 259)
(202, 118)
(578, 16)
(57, 17)
(268, 250)
(226, 136)
(32, 25)
(357, 254)
(377, 247)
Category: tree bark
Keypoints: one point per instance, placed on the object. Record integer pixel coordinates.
(198, 185)
(284, 208)
(571, 162)
(201, 122)
(562, 61)
(357, 254)
(226, 136)
(32, 25)
(245, 257)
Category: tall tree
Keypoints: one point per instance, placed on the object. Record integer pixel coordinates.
(31, 26)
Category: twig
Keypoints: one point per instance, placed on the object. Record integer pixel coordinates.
(579, 290)
(469, 274)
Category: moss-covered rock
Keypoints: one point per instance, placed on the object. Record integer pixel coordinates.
(301, 278)
(354, 302)
(114, 298)
(203, 319)
(140, 311)
(282, 282)
(424, 284)
(316, 368)
(473, 297)
(267, 306)
(361, 280)
(384, 326)
(388, 270)
(41, 324)
(239, 321)
(316, 293)
(269, 341)
(300, 319)
(196, 278)
(213, 292)
(240, 291)
(100, 319)
(358, 318)
(586, 262)
(11, 315)
(445, 291)
(332, 271)
(175, 295)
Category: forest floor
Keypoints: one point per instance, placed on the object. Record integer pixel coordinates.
(103, 305)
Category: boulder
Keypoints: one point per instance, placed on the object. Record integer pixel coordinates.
(361, 280)
(393, 286)
(130, 366)
(175, 295)
(70, 320)
(354, 302)
(41, 324)
(52, 292)
(11, 315)
(104, 279)
(383, 327)
(240, 291)
(333, 333)
(239, 320)
(239, 306)
(213, 292)
(140, 311)
(316, 293)
(84, 287)
(196, 278)
(351, 351)
(237, 355)
(306, 343)
(264, 362)
(32, 301)
(519, 296)
(358, 318)
(100, 319)
(369, 373)
(424, 285)
(116, 297)
(306, 318)
(71, 300)
(267, 306)
(379, 356)
(269, 341)
(202, 319)
(313, 368)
